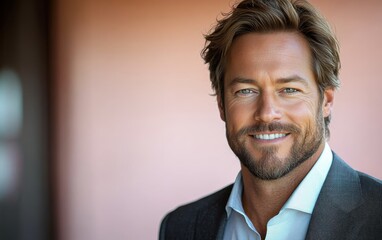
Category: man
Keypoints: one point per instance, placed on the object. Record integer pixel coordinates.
(274, 67)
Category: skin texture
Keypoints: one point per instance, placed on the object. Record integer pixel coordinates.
(270, 88)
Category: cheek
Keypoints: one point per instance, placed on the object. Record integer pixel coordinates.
(239, 115)
(303, 113)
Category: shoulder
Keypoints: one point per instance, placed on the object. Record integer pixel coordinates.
(367, 192)
(369, 212)
(218, 196)
(191, 209)
(349, 180)
(371, 189)
(349, 205)
(369, 182)
(182, 220)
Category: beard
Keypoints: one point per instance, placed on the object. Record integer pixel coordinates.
(269, 166)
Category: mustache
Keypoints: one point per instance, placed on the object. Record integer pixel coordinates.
(268, 127)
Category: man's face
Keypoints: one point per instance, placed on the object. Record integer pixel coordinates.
(272, 108)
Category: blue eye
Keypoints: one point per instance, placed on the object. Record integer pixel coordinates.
(289, 90)
(245, 92)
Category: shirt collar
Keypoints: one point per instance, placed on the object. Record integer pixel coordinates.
(305, 195)
(234, 201)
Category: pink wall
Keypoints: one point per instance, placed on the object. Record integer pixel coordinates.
(138, 133)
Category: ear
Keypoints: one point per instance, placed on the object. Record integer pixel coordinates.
(327, 104)
(221, 106)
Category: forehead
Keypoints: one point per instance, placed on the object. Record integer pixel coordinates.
(275, 53)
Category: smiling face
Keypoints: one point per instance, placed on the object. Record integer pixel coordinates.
(272, 107)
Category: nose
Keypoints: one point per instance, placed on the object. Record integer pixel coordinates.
(267, 109)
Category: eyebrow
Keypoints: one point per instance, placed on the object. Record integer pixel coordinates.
(238, 80)
(294, 78)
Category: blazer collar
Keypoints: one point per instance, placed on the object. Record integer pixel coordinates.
(340, 194)
(212, 219)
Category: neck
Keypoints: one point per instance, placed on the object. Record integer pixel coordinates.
(263, 199)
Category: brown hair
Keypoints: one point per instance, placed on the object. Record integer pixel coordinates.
(275, 15)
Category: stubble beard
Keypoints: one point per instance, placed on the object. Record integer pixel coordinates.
(269, 166)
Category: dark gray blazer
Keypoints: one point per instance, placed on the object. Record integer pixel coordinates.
(349, 207)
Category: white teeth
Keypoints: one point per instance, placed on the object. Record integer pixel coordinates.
(270, 136)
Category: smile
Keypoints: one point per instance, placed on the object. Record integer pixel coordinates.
(270, 136)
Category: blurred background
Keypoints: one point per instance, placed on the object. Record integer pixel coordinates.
(106, 118)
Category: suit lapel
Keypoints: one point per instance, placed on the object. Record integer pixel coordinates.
(211, 221)
(340, 194)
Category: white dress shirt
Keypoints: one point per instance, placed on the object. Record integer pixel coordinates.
(293, 219)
